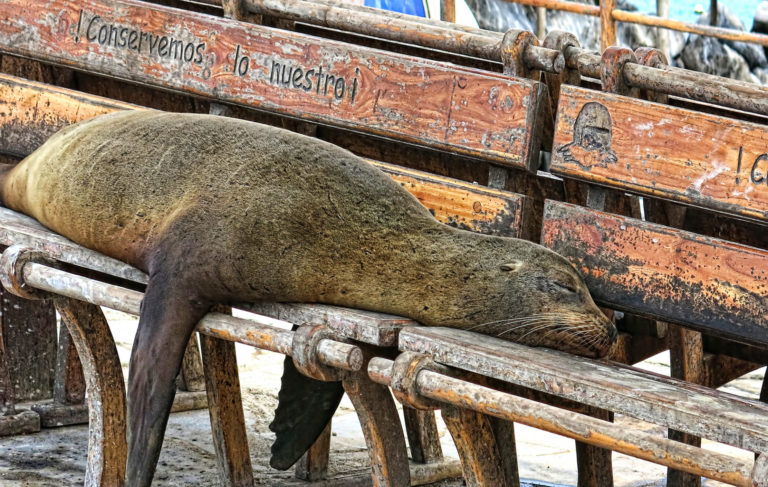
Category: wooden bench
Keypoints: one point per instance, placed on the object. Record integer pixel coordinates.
(238, 41)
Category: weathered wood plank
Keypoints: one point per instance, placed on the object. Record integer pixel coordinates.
(225, 407)
(32, 112)
(19, 229)
(324, 81)
(708, 284)
(668, 152)
(363, 326)
(661, 400)
(24, 127)
(460, 204)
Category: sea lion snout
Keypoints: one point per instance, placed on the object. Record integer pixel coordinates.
(543, 301)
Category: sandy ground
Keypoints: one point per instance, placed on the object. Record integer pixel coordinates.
(56, 457)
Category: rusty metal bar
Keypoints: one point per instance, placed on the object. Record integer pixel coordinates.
(586, 62)
(432, 34)
(723, 468)
(259, 331)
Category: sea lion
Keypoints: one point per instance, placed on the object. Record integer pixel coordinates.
(218, 210)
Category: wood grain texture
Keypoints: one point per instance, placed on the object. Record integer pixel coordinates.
(460, 204)
(32, 112)
(107, 449)
(661, 400)
(225, 407)
(709, 284)
(386, 94)
(475, 442)
(382, 430)
(653, 149)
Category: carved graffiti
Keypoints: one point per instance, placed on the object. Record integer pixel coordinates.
(592, 133)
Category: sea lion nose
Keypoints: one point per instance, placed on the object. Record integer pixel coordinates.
(613, 333)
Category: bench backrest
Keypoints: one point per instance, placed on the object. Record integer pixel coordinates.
(439, 105)
(662, 151)
(709, 284)
(23, 127)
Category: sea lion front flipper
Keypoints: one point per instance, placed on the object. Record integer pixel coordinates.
(169, 313)
(304, 408)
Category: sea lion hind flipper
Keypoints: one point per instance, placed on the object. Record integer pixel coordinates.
(304, 408)
(169, 314)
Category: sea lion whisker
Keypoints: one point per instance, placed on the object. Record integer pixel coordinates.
(511, 320)
(536, 330)
(536, 327)
(544, 323)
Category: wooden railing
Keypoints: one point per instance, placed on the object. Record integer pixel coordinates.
(609, 15)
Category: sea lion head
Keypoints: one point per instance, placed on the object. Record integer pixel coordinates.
(538, 298)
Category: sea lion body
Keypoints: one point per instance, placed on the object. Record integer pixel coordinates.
(219, 210)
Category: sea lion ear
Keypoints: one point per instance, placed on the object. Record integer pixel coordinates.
(512, 266)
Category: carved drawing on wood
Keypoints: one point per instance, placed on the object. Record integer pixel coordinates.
(592, 133)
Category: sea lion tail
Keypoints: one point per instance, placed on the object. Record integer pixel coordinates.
(304, 408)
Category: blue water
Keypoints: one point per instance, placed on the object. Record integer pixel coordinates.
(685, 9)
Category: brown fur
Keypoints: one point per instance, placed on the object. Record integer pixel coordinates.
(218, 210)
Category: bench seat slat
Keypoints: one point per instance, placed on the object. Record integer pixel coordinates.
(706, 283)
(653, 149)
(364, 326)
(661, 400)
(18, 229)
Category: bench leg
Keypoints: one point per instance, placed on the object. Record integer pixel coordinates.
(686, 353)
(759, 475)
(107, 447)
(191, 378)
(226, 411)
(382, 430)
(595, 464)
(423, 439)
(68, 406)
(475, 441)
(313, 465)
(504, 432)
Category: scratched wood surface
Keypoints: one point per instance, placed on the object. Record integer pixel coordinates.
(32, 112)
(294, 74)
(658, 399)
(364, 326)
(654, 149)
(460, 204)
(705, 283)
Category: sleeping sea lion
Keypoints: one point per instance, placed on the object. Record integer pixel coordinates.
(220, 211)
